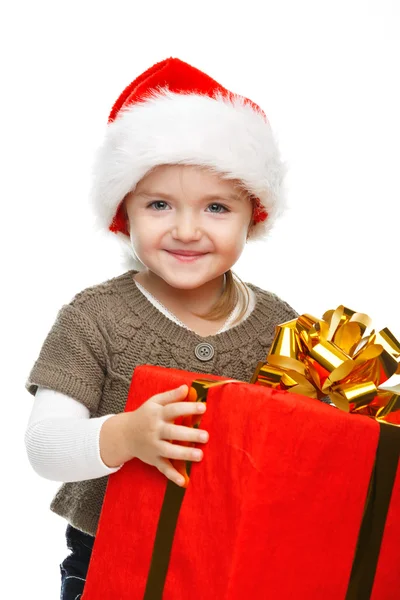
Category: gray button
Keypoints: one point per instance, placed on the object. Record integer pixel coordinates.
(204, 351)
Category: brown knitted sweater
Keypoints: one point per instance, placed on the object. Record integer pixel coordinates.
(108, 329)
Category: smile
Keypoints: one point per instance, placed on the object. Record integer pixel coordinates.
(187, 258)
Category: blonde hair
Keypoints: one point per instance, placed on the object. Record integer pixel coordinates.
(235, 292)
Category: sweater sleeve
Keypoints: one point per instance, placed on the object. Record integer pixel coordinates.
(72, 359)
(62, 442)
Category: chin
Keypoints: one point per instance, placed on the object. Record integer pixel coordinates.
(185, 282)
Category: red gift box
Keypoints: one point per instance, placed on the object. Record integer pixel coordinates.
(273, 510)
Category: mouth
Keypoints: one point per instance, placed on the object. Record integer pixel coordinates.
(186, 255)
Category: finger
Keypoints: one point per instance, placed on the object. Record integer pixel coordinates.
(178, 452)
(183, 434)
(166, 468)
(171, 396)
(172, 411)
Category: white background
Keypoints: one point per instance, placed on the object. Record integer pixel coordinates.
(327, 76)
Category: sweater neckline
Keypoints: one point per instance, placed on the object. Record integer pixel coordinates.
(231, 317)
(179, 336)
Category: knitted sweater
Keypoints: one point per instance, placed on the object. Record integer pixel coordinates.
(108, 329)
(62, 441)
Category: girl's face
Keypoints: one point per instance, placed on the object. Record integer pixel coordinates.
(188, 225)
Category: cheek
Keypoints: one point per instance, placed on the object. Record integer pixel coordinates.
(146, 234)
(231, 241)
(235, 231)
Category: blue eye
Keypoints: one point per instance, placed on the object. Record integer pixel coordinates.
(217, 205)
(158, 202)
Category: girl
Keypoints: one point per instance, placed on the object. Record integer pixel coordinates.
(187, 174)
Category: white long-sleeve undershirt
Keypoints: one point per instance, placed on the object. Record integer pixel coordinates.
(62, 441)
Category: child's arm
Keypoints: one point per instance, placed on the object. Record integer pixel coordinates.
(62, 442)
(73, 360)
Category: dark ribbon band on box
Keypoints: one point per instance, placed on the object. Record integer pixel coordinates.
(375, 513)
(163, 542)
(172, 503)
(371, 530)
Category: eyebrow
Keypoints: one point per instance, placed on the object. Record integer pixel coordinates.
(207, 197)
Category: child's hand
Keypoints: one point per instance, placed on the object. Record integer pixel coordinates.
(147, 432)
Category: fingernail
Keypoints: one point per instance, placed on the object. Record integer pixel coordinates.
(201, 407)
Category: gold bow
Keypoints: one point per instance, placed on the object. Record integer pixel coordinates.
(339, 357)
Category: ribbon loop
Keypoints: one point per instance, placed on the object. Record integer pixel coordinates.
(338, 356)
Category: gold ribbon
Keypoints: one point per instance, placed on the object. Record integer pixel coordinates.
(338, 356)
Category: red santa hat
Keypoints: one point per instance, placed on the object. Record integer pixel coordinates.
(175, 114)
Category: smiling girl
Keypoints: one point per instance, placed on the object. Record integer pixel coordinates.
(189, 227)
(187, 174)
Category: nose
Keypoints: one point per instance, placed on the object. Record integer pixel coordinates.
(186, 227)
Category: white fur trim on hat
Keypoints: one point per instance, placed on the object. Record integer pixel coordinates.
(225, 134)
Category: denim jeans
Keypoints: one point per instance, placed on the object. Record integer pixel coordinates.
(74, 567)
